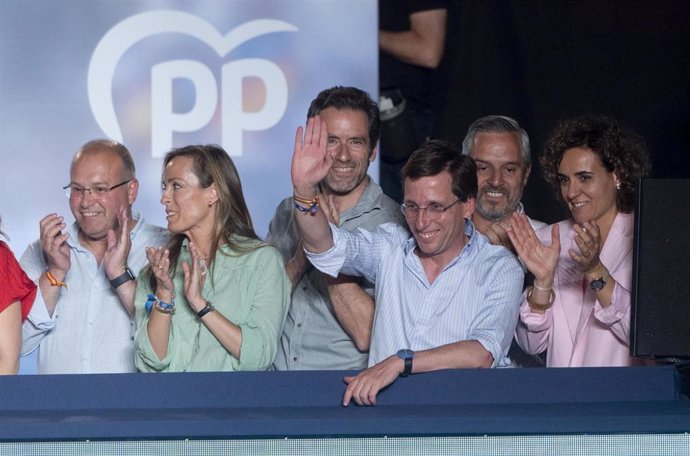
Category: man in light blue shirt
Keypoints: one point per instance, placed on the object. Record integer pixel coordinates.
(445, 297)
(82, 319)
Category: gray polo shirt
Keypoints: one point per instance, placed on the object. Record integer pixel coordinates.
(312, 338)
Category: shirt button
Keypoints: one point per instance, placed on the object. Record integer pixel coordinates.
(294, 359)
(299, 325)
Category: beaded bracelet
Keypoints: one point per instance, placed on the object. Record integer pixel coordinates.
(312, 204)
(154, 303)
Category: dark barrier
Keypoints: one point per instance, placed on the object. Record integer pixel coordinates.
(307, 404)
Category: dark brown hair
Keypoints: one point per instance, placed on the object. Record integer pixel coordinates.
(619, 149)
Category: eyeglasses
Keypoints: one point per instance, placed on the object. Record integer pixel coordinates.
(433, 210)
(97, 191)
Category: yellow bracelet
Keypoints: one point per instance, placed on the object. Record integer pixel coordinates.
(55, 282)
(540, 307)
(312, 205)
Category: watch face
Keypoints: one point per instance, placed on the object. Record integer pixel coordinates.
(405, 354)
(597, 284)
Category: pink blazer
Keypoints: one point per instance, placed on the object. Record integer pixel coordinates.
(577, 331)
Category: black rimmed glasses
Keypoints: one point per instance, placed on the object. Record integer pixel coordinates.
(97, 191)
(433, 210)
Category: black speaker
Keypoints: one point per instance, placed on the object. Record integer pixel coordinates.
(660, 326)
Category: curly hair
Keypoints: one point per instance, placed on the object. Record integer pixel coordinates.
(619, 149)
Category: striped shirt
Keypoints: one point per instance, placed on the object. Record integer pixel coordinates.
(476, 297)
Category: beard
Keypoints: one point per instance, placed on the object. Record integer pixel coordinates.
(339, 186)
(495, 211)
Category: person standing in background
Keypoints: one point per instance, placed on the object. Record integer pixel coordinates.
(412, 35)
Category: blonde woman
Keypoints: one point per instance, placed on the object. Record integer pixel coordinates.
(215, 298)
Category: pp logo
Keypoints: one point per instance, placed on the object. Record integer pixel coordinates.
(164, 121)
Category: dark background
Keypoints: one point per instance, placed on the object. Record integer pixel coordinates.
(544, 61)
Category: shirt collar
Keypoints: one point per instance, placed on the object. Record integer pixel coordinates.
(369, 199)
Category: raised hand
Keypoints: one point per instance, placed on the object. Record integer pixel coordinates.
(540, 259)
(588, 240)
(310, 160)
(119, 244)
(54, 245)
(194, 278)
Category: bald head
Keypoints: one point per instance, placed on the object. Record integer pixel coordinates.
(108, 147)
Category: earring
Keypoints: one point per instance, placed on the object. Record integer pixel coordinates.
(618, 185)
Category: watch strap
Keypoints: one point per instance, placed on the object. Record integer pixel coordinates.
(407, 356)
(122, 278)
(408, 367)
(207, 308)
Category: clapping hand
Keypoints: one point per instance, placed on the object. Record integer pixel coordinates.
(54, 244)
(159, 259)
(540, 259)
(119, 244)
(588, 240)
(194, 277)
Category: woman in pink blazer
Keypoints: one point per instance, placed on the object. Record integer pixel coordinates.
(578, 307)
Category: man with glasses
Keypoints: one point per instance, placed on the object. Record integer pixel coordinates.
(445, 297)
(82, 320)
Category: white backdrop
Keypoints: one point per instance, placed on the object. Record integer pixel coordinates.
(162, 74)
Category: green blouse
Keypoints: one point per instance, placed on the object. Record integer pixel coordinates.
(249, 289)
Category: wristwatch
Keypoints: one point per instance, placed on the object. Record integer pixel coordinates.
(122, 278)
(406, 355)
(207, 308)
(599, 283)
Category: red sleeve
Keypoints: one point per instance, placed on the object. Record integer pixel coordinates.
(15, 285)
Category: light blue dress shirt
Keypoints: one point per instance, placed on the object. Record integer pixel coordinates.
(476, 297)
(90, 331)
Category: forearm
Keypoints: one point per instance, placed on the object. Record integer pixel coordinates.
(353, 308)
(125, 293)
(226, 332)
(423, 44)
(296, 267)
(313, 227)
(457, 355)
(10, 338)
(158, 330)
(49, 292)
